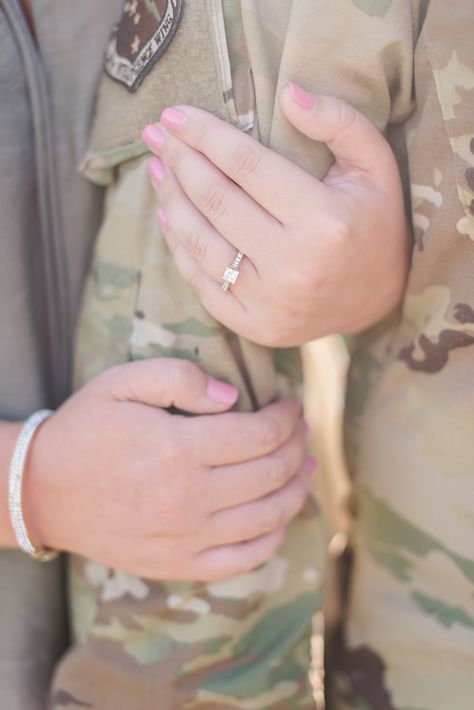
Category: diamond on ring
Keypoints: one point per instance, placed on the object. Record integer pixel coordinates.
(232, 273)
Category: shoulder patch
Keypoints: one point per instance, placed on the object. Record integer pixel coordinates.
(140, 38)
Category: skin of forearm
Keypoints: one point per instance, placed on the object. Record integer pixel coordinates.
(8, 434)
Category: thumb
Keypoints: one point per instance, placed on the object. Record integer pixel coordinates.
(168, 382)
(354, 141)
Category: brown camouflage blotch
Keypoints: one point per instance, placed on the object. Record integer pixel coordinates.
(464, 313)
(436, 354)
(470, 177)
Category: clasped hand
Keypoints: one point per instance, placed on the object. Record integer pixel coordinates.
(321, 257)
(116, 477)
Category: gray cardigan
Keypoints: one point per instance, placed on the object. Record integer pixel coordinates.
(48, 218)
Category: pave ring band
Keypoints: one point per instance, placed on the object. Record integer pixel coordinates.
(232, 273)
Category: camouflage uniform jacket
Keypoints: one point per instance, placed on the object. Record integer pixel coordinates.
(408, 638)
(243, 643)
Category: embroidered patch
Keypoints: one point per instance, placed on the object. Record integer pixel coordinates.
(140, 38)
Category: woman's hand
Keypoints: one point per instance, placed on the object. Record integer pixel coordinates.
(320, 257)
(117, 478)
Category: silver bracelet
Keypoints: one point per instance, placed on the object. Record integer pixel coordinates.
(15, 481)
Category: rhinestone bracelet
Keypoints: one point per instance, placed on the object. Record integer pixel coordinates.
(15, 481)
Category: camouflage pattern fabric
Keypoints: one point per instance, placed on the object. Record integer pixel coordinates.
(408, 638)
(243, 643)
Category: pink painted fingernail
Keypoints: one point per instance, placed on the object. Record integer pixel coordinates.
(156, 169)
(173, 119)
(153, 137)
(162, 218)
(221, 392)
(300, 96)
(309, 465)
(305, 427)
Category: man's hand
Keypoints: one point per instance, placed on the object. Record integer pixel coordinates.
(117, 478)
(320, 256)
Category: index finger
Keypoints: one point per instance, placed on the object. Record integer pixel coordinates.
(260, 172)
(234, 437)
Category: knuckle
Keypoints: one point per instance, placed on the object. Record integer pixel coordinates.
(281, 516)
(201, 131)
(173, 155)
(345, 115)
(196, 283)
(173, 243)
(167, 192)
(184, 375)
(273, 518)
(270, 433)
(197, 244)
(213, 201)
(277, 472)
(304, 280)
(339, 233)
(307, 282)
(301, 496)
(244, 160)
